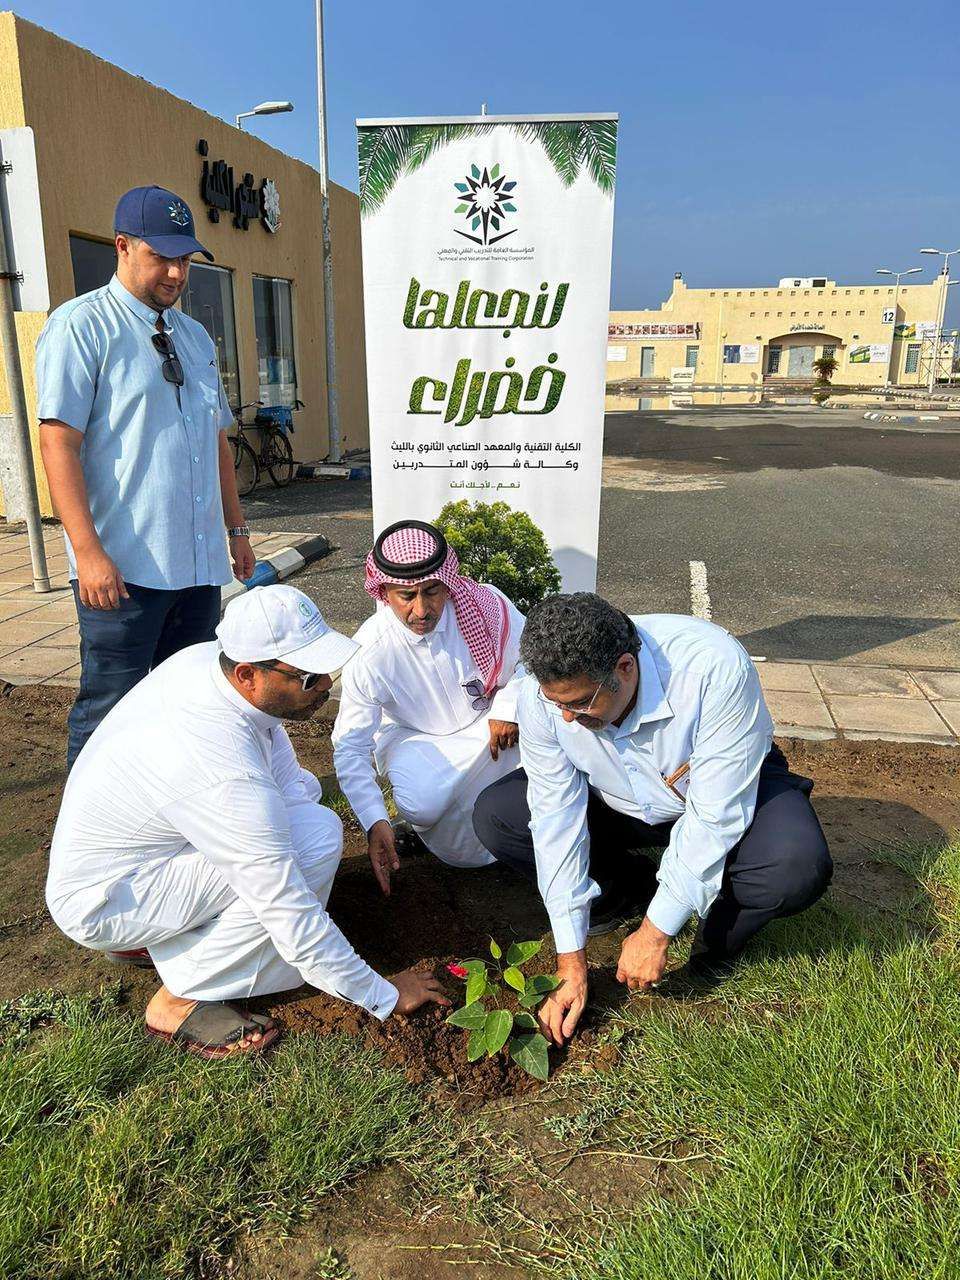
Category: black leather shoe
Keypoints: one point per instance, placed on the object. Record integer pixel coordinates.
(407, 841)
(614, 908)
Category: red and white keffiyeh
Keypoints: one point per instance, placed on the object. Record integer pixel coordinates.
(481, 614)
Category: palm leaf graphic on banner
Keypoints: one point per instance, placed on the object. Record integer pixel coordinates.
(388, 151)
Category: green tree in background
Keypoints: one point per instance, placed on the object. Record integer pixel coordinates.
(503, 547)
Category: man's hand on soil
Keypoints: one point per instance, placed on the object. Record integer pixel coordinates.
(417, 989)
(503, 734)
(643, 957)
(382, 849)
(560, 1012)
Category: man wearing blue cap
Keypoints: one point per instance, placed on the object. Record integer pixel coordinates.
(132, 432)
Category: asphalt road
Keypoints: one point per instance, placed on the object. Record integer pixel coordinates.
(820, 535)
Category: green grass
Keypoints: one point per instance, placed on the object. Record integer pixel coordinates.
(801, 1122)
(119, 1158)
(824, 1097)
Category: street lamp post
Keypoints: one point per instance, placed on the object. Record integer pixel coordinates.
(946, 254)
(884, 271)
(333, 403)
(265, 109)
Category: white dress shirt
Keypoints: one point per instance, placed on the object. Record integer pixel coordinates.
(699, 700)
(419, 682)
(184, 760)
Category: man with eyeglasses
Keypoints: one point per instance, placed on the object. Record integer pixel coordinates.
(643, 733)
(190, 839)
(132, 433)
(430, 701)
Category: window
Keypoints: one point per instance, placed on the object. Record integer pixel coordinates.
(208, 298)
(828, 352)
(691, 360)
(93, 263)
(273, 315)
(773, 359)
(913, 358)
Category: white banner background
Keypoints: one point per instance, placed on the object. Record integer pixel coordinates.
(548, 464)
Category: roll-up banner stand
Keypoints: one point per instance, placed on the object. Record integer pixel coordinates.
(486, 279)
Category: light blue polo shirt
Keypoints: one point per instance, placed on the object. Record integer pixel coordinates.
(150, 460)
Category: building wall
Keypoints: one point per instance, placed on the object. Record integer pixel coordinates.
(100, 131)
(838, 315)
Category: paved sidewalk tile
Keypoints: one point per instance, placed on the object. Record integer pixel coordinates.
(58, 639)
(28, 629)
(881, 681)
(950, 710)
(805, 709)
(35, 663)
(791, 677)
(883, 714)
(938, 684)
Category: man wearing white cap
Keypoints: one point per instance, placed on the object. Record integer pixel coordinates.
(190, 837)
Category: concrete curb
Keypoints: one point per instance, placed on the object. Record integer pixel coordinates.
(333, 471)
(279, 565)
(902, 417)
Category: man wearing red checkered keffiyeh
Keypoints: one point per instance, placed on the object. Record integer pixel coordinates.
(429, 702)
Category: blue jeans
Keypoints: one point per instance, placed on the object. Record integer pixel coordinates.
(119, 646)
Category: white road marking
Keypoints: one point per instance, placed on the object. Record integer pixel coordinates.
(699, 595)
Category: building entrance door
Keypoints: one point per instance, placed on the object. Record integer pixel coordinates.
(800, 363)
(646, 362)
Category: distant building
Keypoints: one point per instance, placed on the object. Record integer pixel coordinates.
(771, 335)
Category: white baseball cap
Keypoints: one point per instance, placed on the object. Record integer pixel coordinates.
(279, 622)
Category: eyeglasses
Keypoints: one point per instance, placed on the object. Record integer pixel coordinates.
(581, 709)
(308, 679)
(171, 368)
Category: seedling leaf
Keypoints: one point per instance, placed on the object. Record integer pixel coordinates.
(472, 1016)
(514, 978)
(524, 1022)
(543, 982)
(476, 986)
(476, 1045)
(499, 1024)
(495, 950)
(529, 1051)
(521, 952)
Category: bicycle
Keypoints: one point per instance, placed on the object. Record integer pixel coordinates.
(276, 452)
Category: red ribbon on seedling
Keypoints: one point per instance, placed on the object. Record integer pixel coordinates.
(458, 971)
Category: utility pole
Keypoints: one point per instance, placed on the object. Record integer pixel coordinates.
(946, 254)
(21, 423)
(885, 271)
(333, 403)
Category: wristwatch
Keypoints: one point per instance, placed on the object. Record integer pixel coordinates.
(239, 531)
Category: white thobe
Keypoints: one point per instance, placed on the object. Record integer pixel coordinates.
(411, 707)
(188, 827)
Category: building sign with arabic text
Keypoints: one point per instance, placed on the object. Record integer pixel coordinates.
(653, 331)
(246, 200)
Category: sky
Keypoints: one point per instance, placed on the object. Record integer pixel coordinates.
(756, 141)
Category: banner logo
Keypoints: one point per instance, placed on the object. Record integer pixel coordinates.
(485, 200)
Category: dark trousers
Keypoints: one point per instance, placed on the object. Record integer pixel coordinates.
(780, 866)
(119, 646)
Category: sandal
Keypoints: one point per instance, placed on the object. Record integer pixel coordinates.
(139, 957)
(212, 1029)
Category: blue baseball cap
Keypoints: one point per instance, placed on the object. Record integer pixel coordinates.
(162, 219)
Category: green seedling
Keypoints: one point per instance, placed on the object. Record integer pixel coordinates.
(498, 1006)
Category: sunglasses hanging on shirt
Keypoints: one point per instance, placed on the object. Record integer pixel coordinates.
(171, 368)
